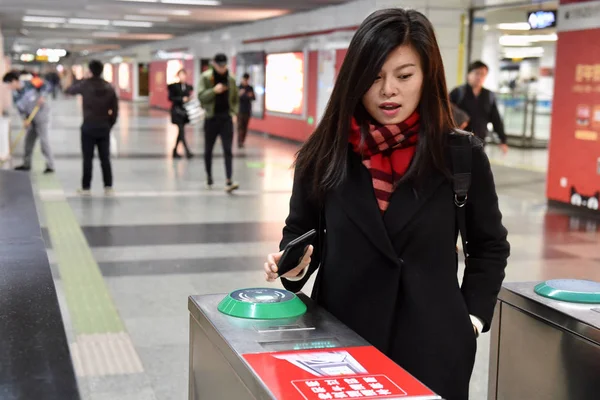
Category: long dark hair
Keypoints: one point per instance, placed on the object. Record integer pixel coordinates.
(322, 162)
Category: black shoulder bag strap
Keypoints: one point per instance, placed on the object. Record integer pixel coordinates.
(322, 231)
(461, 153)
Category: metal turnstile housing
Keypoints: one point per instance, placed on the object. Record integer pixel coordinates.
(217, 342)
(543, 349)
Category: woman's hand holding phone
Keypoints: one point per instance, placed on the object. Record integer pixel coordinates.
(273, 259)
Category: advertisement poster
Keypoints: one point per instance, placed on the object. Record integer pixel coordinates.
(285, 83)
(342, 373)
(574, 157)
(173, 67)
(108, 73)
(124, 77)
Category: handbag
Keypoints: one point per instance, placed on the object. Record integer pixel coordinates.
(194, 111)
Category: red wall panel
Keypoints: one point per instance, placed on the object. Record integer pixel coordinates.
(293, 128)
(574, 157)
(159, 97)
(340, 55)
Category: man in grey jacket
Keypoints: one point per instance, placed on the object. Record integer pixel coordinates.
(32, 100)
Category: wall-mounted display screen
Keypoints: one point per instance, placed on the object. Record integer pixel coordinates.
(542, 19)
(124, 78)
(173, 67)
(285, 83)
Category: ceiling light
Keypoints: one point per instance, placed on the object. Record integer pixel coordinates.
(193, 2)
(133, 24)
(514, 26)
(161, 11)
(44, 20)
(525, 40)
(88, 21)
(106, 34)
(524, 52)
(46, 13)
(145, 18)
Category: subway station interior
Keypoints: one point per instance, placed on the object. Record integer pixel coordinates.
(151, 285)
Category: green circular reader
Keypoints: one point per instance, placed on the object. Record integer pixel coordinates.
(262, 303)
(571, 290)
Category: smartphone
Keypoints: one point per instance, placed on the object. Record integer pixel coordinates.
(294, 252)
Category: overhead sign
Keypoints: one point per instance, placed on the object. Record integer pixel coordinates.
(542, 19)
(578, 16)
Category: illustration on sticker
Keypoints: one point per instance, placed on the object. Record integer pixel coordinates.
(332, 363)
(583, 115)
(590, 202)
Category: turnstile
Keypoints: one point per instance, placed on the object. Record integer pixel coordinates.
(543, 348)
(311, 356)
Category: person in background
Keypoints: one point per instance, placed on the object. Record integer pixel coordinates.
(220, 99)
(179, 94)
(247, 96)
(100, 113)
(29, 98)
(375, 180)
(53, 79)
(480, 104)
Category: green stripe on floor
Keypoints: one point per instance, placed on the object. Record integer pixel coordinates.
(90, 305)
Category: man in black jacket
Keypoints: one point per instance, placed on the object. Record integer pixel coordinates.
(100, 112)
(480, 104)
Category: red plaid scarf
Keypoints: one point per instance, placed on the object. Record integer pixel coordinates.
(387, 153)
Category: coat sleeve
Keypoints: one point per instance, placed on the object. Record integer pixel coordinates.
(206, 94)
(235, 97)
(114, 107)
(303, 216)
(496, 120)
(454, 96)
(487, 247)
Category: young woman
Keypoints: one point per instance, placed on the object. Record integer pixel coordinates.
(377, 173)
(179, 93)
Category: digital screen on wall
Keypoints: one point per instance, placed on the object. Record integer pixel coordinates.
(542, 19)
(253, 63)
(173, 67)
(124, 77)
(108, 73)
(285, 83)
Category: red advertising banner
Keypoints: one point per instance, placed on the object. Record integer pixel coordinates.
(574, 158)
(343, 373)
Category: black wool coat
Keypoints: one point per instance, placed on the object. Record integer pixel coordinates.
(177, 92)
(393, 279)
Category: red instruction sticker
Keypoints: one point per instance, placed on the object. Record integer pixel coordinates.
(360, 387)
(340, 373)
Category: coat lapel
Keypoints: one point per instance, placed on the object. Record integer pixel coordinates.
(358, 201)
(406, 202)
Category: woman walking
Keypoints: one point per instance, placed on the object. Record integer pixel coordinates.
(179, 94)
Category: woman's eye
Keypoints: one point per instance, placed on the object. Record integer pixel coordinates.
(405, 77)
